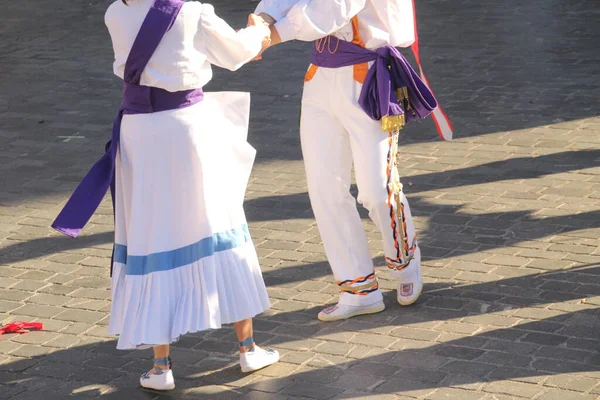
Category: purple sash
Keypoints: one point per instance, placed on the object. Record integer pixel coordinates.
(137, 99)
(381, 95)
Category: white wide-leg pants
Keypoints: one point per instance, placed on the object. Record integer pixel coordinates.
(335, 134)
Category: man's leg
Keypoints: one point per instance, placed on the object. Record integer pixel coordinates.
(376, 160)
(328, 162)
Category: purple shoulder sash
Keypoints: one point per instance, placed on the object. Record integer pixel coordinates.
(137, 99)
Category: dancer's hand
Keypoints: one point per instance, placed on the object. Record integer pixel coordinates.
(275, 38)
(256, 20)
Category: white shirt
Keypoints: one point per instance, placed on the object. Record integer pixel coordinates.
(381, 22)
(183, 58)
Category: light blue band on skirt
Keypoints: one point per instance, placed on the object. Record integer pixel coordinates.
(167, 260)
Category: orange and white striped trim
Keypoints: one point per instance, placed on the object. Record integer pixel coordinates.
(361, 290)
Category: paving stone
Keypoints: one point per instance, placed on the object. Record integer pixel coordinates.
(416, 334)
(558, 366)
(30, 285)
(14, 295)
(455, 394)
(499, 358)
(544, 338)
(8, 346)
(48, 299)
(340, 349)
(313, 391)
(562, 353)
(555, 394)
(463, 353)
(80, 316)
(63, 341)
(528, 375)
(458, 327)
(582, 331)
(505, 214)
(372, 340)
(8, 306)
(518, 389)
(57, 289)
(374, 369)
(40, 311)
(406, 388)
(468, 367)
(35, 337)
(357, 381)
(571, 382)
(28, 350)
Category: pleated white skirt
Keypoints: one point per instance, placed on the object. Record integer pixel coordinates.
(184, 261)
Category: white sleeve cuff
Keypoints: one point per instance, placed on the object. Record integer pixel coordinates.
(286, 30)
(272, 11)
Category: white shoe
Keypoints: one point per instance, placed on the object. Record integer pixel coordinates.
(258, 358)
(409, 293)
(410, 283)
(343, 311)
(161, 379)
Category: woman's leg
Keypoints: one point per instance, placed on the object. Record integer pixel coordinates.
(244, 332)
(161, 352)
(252, 357)
(160, 377)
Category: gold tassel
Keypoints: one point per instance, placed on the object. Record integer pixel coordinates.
(402, 96)
(402, 93)
(392, 123)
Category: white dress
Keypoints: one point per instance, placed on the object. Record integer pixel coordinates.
(184, 261)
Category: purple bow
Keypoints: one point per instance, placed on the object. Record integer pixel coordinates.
(389, 73)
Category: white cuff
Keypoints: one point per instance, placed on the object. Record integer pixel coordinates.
(286, 30)
(273, 12)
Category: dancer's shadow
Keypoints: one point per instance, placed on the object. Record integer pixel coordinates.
(448, 233)
(502, 348)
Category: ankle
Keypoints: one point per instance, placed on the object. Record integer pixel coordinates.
(247, 345)
(163, 363)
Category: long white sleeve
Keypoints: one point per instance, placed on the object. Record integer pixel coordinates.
(313, 19)
(275, 8)
(224, 46)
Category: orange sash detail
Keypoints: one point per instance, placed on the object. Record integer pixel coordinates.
(360, 70)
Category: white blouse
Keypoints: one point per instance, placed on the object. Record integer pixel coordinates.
(183, 58)
(381, 22)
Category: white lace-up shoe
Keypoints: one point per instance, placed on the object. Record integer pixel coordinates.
(343, 311)
(159, 379)
(258, 358)
(410, 283)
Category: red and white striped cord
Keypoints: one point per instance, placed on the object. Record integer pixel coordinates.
(442, 123)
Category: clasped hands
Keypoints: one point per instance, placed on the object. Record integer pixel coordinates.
(272, 38)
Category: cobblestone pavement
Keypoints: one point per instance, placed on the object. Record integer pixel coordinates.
(508, 216)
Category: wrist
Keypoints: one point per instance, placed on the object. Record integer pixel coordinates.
(275, 38)
(267, 18)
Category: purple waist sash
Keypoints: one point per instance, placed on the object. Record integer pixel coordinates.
(92, 189)
(391, 88)
(137, 99)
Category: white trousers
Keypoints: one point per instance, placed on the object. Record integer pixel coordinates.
(335, 134)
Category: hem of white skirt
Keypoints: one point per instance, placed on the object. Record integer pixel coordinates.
(160, 307)
(145, 346)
